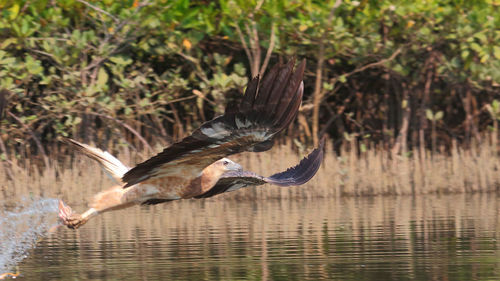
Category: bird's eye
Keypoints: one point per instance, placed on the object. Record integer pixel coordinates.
(225, 162)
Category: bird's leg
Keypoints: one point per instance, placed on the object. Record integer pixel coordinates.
(74, 220)
(111, 199)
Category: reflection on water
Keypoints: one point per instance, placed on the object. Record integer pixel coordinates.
(383, 238)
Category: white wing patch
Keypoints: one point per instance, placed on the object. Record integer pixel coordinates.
(217, 131)
(258, 135)
(235, 187)
(242, 124)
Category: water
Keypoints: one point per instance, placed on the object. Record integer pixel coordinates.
(21, 226)
(451, 237)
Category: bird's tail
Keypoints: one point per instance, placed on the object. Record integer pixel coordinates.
(111, 164)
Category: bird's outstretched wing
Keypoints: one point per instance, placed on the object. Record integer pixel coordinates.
(111, 165)
(297, 175)
(267, 108)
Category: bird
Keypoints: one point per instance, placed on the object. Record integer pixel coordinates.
(197, 166)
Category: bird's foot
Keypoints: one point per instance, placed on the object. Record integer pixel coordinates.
(69, 218)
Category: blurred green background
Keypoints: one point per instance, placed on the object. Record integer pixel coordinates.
(395, 74)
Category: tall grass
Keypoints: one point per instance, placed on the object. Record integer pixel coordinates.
(353, 173)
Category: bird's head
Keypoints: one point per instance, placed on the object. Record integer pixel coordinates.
(229, 165)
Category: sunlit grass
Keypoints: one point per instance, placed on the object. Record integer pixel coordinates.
(353, 173)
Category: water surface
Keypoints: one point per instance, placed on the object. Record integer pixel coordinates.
(451, 237)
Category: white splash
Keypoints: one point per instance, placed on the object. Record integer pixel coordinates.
(22, 226)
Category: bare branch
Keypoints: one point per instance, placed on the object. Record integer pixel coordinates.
(3, 100)
(124, 22)
(244, 43)
(257, 55)
(269, 51)
(42, 53)
(199, 71)
(177, 120)
(203, 96)
(126, 126)
(319, 74)
(374, 64)
(35, 138)
(254, 48)
(98, 9)
(254, 52)
(6, 164)
(259, 5)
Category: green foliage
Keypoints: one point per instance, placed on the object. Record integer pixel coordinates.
(87, 69)
(108, 64)
(433, 116)
(494, 109)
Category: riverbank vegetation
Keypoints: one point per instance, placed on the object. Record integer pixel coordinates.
(408, 92)
(369, 172)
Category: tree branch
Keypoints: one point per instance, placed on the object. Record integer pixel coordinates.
(98, 10)
(244, 43)
(374, 64)
(35, 138)
(126, 126)
(317, 95)
(269, 51)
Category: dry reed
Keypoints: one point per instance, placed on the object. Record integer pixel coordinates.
(353, 173)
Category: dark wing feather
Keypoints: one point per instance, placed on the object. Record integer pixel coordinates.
(233, 180)
(296, 175)
(267, 108)
(155, 201)
(302, 172)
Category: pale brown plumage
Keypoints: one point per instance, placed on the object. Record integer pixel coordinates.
(195, 167)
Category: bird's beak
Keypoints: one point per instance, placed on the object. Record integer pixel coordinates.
(236, 167)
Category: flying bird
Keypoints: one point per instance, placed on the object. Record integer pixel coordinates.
(197, 167)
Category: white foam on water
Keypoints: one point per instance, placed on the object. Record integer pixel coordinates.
(22, 226)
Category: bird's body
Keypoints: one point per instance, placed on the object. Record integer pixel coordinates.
(196, 166)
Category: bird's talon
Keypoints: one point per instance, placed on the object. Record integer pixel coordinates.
(68, 217)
